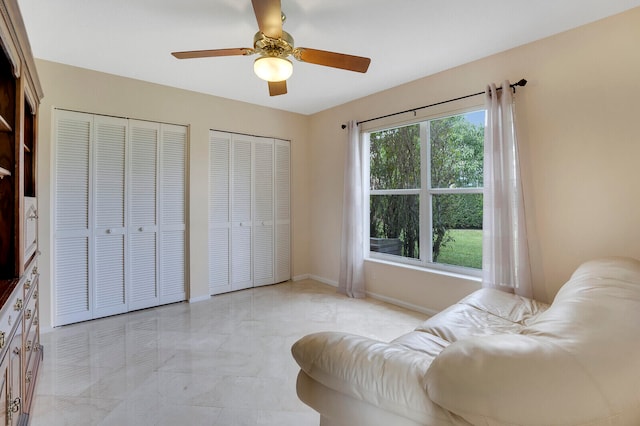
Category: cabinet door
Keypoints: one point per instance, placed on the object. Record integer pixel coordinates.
(72, 294)
(283, 211)
(109, 147)
(143, 201)
(263, 213)
(219, 212)
(172, 255)
(241, 220)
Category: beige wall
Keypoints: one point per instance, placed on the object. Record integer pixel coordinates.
(83, 90)
(579, 152)
(580, 155)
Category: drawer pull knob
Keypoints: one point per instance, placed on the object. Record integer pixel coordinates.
(18, 305)
(14, 406)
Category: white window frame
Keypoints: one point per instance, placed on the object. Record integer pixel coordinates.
(425, 193)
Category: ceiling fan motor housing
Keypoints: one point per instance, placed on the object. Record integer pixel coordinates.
(275, 47)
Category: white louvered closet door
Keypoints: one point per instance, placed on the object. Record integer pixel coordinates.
(143, 201)
(172, 256)
(263, 248)
(283, 211)
(241, 219)
(108, 211)
(219, 212)
(72, 293)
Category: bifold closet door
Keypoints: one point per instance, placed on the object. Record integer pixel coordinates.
(143, 226)
(157, 229)
(173, 201)
(90, 232)
(72, 294)
(282, 211)
(219, 212)
(263, 212)
(108, 216)
(249, 223)
(241, 212)
(119, 215)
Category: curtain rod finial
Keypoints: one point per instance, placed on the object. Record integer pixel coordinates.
(522, 82)
(344, 126)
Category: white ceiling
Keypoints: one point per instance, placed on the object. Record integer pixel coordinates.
(406, 40)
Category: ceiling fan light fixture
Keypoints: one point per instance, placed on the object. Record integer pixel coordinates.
(273, 68)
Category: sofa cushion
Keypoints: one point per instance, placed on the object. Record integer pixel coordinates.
(576, 363)
(385, 375)
(484, 312)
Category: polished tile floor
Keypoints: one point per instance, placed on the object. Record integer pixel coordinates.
(224, 361)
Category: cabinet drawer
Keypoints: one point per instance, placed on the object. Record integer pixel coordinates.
(30, 316)
(10, 316)
(31, 371)
(30, 279)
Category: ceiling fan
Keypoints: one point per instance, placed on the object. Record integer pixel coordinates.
(274, 47)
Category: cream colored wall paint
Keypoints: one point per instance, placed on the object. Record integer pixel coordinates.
(84, 90)
(580, 147)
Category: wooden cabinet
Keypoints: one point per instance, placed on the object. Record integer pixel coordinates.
(20, 94)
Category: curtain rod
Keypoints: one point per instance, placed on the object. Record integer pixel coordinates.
(522, 83)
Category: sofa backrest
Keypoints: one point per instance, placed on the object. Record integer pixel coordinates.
(576, 363)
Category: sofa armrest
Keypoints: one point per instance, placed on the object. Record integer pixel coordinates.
(385, 375)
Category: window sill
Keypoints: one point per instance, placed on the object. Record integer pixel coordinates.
(436, 271)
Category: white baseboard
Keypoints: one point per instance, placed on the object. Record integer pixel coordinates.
(199, 298)
(324, 280)
(410, 306)
(380, 297)
(300, 277)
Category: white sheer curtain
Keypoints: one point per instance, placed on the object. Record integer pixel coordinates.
(505, 253)
(351, 280)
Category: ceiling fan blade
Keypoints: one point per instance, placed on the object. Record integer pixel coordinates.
(269, 16)
(332, 59)
(277, 88)
(211, 53)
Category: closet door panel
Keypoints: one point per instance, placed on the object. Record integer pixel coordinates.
(109, 275)
(109, 147)
(219, 212)
(143, 289)
(172, 213)
(172, 267)
(283, 211)
(72, 293)
(143, 202)
(241, 207)
(263, 216)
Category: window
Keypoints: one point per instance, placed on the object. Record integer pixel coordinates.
(425, 194)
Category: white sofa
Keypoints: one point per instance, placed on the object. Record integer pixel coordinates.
(492, 359)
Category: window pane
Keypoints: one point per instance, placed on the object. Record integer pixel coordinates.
(395, 158)
(457, 151)
(394, 225)
(457, 229)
